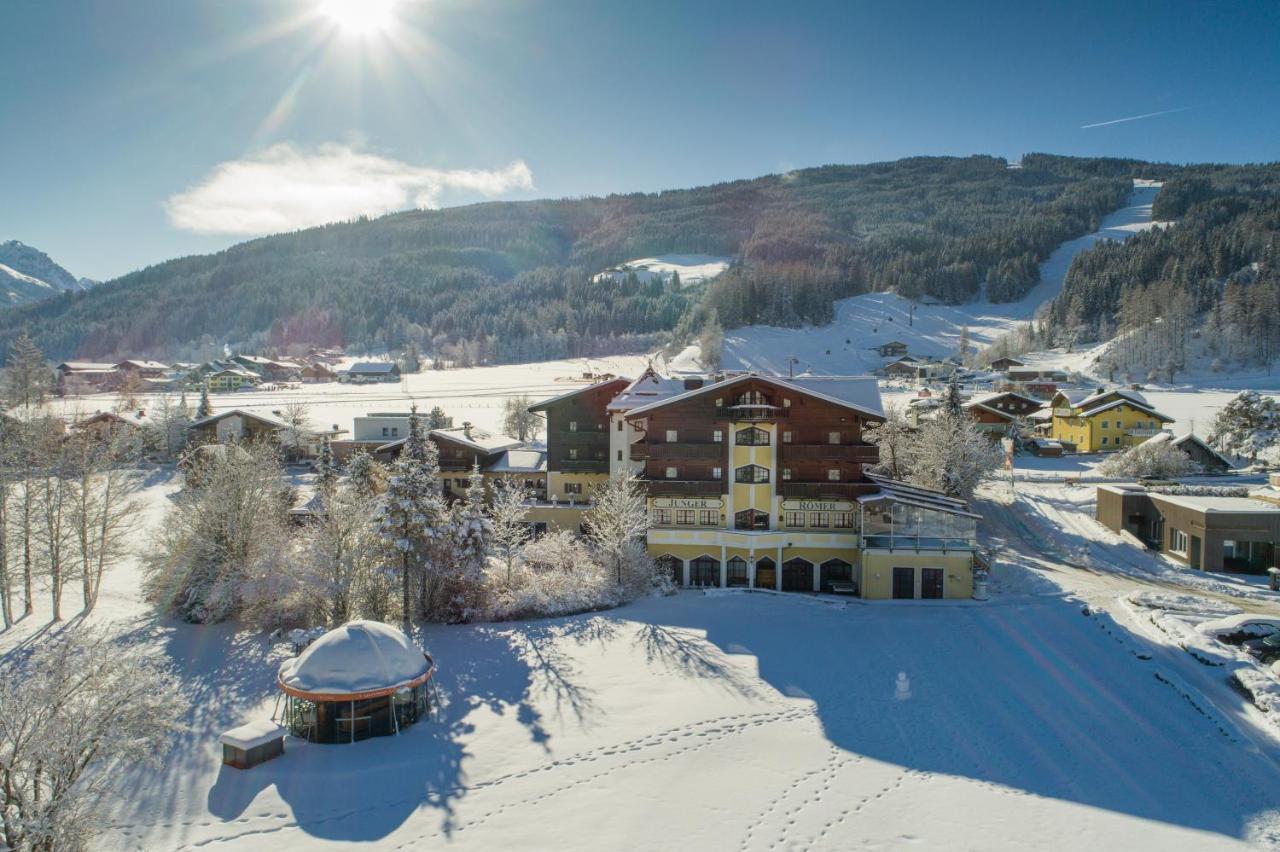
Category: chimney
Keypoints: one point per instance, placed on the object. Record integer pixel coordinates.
(466, 429)
(692, 383)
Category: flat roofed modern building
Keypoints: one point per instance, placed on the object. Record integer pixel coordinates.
(1204, 531)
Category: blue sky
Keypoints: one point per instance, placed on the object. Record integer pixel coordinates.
(132, 131)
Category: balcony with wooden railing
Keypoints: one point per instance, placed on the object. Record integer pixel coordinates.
(825, 490)
(867, 453)
(644, 450)
(743, 413)
(684, 487)
(600, 465)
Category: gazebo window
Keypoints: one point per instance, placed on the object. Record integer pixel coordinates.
(751, 473)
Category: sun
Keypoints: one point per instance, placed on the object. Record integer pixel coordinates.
(359, 17)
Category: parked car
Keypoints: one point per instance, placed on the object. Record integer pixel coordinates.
(1265, 648)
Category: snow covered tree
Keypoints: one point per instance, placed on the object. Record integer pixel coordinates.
(366, 473)
(509, 515)
(293, 437)
(1157, 457)
(952, 401)
(518, 420)
(338, 556)
(711, 343)
(103, 514)
(326, 473)
(1247, 425)
(410, 517)
(218, 537)
(73, 714)
(204, 408)
(619, 516)
(460, 561)
(951, 455)
(894, 438)
(27, 375)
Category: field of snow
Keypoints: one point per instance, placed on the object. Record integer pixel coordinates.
(693, 268)
(844, 347)
(729, 721)
(475, 394)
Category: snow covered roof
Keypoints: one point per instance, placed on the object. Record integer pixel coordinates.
(988, 398)
(1214, 505)
(520, 461)
(371, 368)
(86, 367)
(916, 495)
(252, 734)
(1124, 400)
(360, 658)
(650, 387)
(143, 365)
(539, 406)
(1192, 438)
(264, 418)
(131, 418)
(478, 439)
(860, 393)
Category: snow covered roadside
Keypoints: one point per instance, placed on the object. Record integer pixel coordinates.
(1061, 519)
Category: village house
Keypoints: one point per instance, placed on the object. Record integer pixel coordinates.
(231, 379)
(998, 413)
(142, 369)
(1037, 375)
(903, 368)
(1104, 421)
(460, 449)
(1206, 457)
(758, 481)
(1203, 531)
(317, 373)
(892, 349)
(1001, 365)
(371, 371)
(76, 377)
(238, 425)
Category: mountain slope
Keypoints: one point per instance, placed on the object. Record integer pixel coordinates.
(513, 281)
(29, 275)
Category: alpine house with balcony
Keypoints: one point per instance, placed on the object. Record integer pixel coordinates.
(1104, 420)
(758, 481)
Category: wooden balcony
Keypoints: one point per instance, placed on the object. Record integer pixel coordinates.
(684, 487)
(867, 453)
(642, 451)
(582, 438)
(744, 413)
(581, 465)
(825, 490)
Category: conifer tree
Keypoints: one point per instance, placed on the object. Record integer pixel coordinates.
(27, 373)
(204, 408)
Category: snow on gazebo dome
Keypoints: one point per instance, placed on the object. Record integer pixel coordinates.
(360, 659)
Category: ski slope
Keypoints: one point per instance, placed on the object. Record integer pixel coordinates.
(933, 330)
(693, 268)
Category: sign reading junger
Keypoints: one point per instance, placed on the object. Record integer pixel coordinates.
(687, 503)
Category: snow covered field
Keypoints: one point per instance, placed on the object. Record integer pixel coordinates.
(874, 318)
(692, 268)
(741, 721)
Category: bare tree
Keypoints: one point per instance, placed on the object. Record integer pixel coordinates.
(102, 513)
(510, 513)
(618, 517)
(73, 713)
(893, 437)
(337, 549)
(293, 438)
(519, 421)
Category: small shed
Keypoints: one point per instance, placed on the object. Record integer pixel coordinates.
(363, 679)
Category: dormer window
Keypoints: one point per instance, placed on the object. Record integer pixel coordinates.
(751, 398)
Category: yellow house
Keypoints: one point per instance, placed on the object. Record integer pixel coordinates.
(1103, 421)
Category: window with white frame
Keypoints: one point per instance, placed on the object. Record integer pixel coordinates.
(786, 473)
(672, 473)
(573, 453)
(716, 473)
(718, 436)
(573, 425)
(833, 475)
(786, 437)
(1178, 541)
(833, 437)
(672, 436)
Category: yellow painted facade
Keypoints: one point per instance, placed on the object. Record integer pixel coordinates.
(1117, 428)
(586, 482)
(877, 572)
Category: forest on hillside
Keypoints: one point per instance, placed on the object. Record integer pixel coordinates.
(1208, 287)
(514, 281)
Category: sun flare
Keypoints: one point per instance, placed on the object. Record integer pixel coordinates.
(359, 17)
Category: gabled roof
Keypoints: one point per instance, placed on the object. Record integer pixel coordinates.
(371, 367)
(650, 387)
(86, 367)
(987, 399)
(129, 418)
(1192, 438)
(520, 461)
(1124, 400)
(252, 415)
(544, 404)
(858, 393)
(143, 365)
(235, 371)
(480, 441)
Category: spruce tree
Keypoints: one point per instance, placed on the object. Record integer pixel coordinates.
(326, 474)
(204, 408)
(27, 372)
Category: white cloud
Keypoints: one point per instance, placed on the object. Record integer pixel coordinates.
(286, 187)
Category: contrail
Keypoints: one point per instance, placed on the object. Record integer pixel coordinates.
(1134, 117)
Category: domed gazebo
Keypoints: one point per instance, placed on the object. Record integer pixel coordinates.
(363, 679)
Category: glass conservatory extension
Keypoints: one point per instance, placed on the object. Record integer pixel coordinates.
(916, 520)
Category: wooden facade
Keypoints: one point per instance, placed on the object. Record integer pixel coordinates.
(578, 428)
